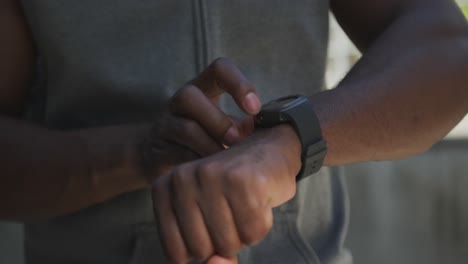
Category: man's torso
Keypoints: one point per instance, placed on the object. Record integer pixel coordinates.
(111, 62)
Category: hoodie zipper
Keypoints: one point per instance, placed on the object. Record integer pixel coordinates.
(200, 29)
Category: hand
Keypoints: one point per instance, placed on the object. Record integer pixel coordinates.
(210, 208)
(194, 126)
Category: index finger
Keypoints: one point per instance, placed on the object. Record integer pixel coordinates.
(223, 76)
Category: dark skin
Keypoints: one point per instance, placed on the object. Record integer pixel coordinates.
(407, 92)
(46, 173)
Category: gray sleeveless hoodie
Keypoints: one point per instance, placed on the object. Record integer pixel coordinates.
(107, 62)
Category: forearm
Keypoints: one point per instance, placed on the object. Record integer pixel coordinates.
(406, 93)
(45, 173)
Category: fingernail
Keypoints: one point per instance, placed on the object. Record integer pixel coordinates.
(252, 103)
(231, 137)
(221, 260)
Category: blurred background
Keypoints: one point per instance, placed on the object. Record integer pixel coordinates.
(409, 211)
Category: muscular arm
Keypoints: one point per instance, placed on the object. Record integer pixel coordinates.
(409, 89)
(45, 173)
(405, 94)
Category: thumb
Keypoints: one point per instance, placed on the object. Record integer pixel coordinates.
(222, 260)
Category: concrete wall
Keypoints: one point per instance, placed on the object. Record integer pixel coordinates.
(411, 211)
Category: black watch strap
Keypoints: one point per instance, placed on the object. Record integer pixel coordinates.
(314, 147)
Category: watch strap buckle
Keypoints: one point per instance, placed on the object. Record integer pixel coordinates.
(313, 159)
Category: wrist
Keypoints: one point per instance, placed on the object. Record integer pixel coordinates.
(289, 144)
(299, 112)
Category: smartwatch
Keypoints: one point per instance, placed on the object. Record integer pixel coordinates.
(298, 111)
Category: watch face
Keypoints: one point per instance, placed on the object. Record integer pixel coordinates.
(282, 103)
